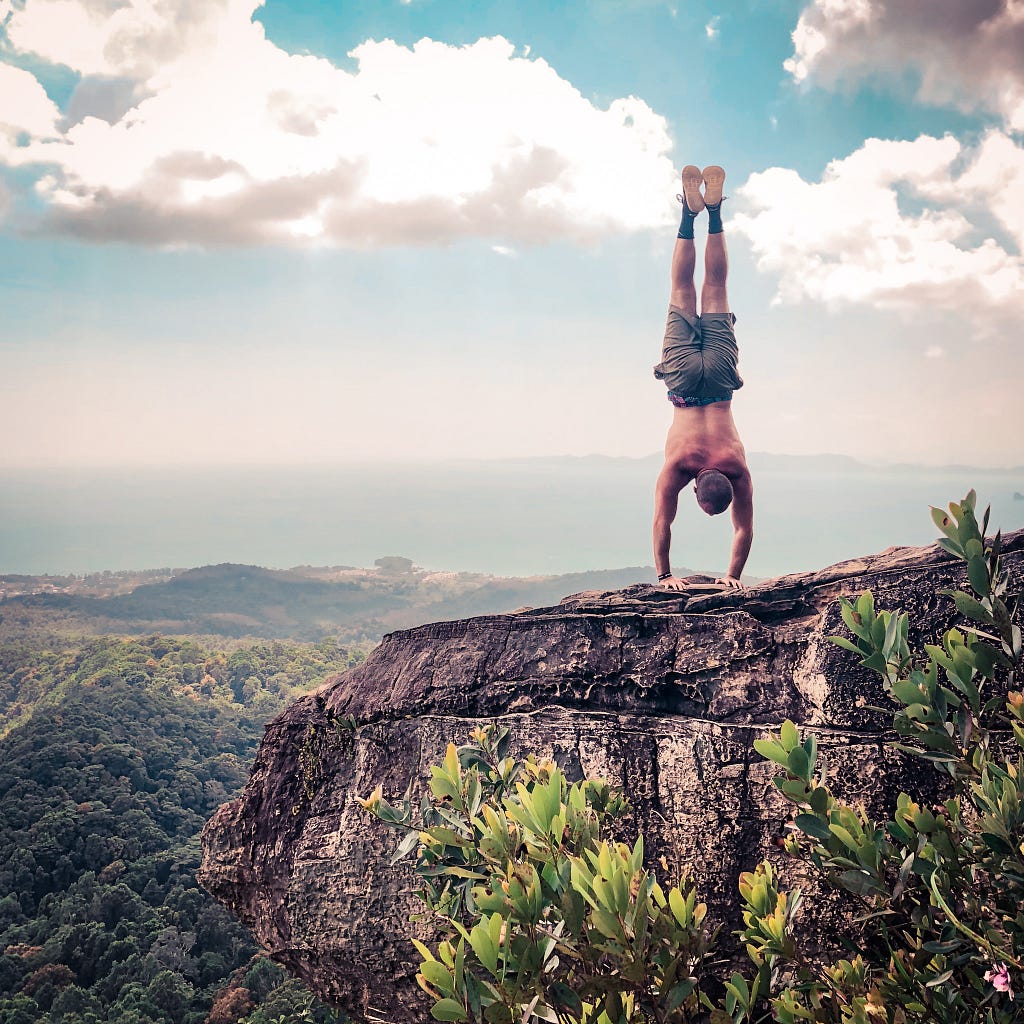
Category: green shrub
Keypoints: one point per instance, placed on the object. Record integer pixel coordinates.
(546, 918)
(939, 888)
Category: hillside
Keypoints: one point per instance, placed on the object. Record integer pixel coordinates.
(356, 606)
(113, 755)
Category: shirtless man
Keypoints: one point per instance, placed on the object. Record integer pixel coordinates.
(698, 366)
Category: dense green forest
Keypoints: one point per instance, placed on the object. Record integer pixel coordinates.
(113, 753)
(115, 750)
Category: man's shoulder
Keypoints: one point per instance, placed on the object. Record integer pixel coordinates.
(673, 477)
(734, 465)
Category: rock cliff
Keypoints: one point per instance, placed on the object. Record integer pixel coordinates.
(660, 693)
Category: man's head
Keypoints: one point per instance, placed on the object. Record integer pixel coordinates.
(713, 490)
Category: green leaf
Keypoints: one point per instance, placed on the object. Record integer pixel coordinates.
(788, 735)
(498, 1013)
(678, 993)
(844, 836)
(607, 924)
(447, 836)
(951, 546)
(795, 789)
(877, 663)
(423, 950)
(813, 826)
(847, 645)
(906, 691)
(858, 881)
(448, 1009)
(773, 751)
(941, 519)
(950, 946)
(485, 949)
(406, 846)
(438, 976)
(798, 763)
(819, 800)
(996, 843)
(969, 606)
(678, 906)
(977, 573)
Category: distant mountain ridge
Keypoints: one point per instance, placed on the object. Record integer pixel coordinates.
(301, 603)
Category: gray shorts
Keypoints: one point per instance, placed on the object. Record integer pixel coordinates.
(699, 357)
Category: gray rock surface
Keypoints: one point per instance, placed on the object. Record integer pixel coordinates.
(660, 693)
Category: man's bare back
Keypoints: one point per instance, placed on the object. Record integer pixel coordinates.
(699, 367)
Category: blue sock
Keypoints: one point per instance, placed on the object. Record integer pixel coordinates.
(686, 224)
(714, 218)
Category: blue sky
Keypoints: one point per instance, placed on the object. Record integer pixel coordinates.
(305, 243)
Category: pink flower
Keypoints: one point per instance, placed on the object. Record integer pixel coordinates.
(1000, 978)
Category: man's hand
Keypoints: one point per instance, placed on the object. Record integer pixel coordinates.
(674, 583)
(731, 582)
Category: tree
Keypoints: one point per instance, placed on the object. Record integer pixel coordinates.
(393, 564)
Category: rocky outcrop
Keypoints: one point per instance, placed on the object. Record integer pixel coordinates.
(660, 693)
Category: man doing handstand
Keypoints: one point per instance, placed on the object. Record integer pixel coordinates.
(698, 366)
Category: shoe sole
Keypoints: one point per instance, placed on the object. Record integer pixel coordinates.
(692, 179)
(714, 182)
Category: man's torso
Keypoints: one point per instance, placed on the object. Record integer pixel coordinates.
(705, 437)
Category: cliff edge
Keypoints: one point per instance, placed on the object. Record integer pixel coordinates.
(662, 694)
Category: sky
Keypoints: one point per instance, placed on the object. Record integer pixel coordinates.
(302, 232)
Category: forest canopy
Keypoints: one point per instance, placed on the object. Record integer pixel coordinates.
(114, 753)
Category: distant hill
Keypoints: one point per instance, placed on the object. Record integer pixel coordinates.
(304, 603)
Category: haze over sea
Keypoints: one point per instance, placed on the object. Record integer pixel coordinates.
(507, 517)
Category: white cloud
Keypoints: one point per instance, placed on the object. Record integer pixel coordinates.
(711, 28)
(895, 224)
(934, 352)
(504, 250)
(190, 127)
(24, 108)
(966, 53)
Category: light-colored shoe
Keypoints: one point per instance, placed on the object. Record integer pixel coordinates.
(691, 188)
(714, 182)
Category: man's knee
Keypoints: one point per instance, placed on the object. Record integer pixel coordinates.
(714, 299)
(684, 299)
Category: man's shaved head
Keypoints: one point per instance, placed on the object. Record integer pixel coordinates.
(713, 490)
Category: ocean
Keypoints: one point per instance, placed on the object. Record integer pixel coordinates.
(509, 517)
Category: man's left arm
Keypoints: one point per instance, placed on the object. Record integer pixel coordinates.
(743, 529)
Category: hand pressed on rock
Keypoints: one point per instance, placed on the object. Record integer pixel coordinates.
(674, 583)
(731, 582)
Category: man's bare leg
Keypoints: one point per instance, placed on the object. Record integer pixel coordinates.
(684, 290)
(684, 256)
(713, 295)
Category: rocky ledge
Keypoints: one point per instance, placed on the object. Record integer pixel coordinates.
(662, 694)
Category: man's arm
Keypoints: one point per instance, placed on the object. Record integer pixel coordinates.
(666, 502)
(742, 527)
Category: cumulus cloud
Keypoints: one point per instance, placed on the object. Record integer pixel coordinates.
(896, 224)
(188, 126)
(966, 53)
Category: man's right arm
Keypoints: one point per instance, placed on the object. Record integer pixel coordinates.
(666, 503)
